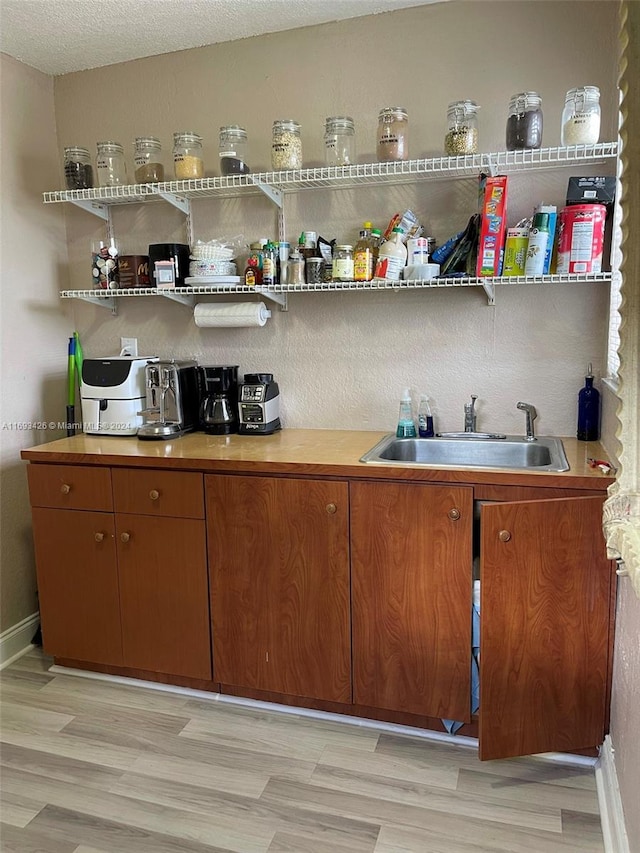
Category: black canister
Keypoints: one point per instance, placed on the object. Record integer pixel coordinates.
(176, 252)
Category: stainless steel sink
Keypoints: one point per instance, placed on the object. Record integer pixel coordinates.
(512, 451)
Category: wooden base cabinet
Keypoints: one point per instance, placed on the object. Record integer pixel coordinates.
(280, 599)
(546, 621)
(411, 564)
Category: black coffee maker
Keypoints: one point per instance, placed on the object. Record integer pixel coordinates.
(219, 399)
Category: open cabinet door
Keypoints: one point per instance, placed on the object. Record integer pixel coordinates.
(546, 588)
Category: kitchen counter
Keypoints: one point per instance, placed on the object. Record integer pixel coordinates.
(318, 453)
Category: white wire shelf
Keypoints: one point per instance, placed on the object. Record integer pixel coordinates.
(343, 176)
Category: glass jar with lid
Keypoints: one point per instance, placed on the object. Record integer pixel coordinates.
(343, 263)
(462, 132)
(286, 145)
(232, 150)
(187, 155)
(524, 123)
(147, 160)
(78, 170)
(339, 141)
(110, 164)
(581, 117)
(392, 141)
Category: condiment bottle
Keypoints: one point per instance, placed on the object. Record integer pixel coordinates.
(147, 160)
(78, 171)
(187, 156)
(581, 117)
(253, 269)
(339, 141)
(232, 150)
(392, 257)
(269, 265)
(364, 256)
(286, 145)
(393, 135)
(462, 133)
(524, 123)
(343, 263)
(110, 164)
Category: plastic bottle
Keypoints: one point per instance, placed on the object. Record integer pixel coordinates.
(425, 418)
(588, 410)
(392, 257)
(406, 427)
(363, 255)
(537, 245)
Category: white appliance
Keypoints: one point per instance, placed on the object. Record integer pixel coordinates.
(113, 394)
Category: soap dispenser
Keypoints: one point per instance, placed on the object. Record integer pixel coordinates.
(425, 418)
(406, 427)
(588, 410)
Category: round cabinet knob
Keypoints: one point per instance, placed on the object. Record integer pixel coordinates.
(124, 537)
(154, 494)
(454, 514)
(65, 488)
(504, 536)
(331, 509)
(98, 537)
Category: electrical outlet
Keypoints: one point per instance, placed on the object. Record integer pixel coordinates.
(129, 346)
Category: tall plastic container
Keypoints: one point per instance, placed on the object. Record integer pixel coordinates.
(406, 427)
(392, 257)
(588, 410)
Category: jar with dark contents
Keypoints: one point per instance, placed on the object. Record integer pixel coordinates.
(462, 133)
(232, 150)
(524, 124)
(78, 171)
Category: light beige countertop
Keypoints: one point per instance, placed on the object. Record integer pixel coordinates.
(308, 452)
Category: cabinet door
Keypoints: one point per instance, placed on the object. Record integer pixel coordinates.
(78, 584)
(544, 638)
(164, 595)
(412, 586)
(279, 562)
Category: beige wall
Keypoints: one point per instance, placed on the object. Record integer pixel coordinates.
(343, 359)
(34, 327)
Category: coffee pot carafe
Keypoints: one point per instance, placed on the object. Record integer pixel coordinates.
(219, 404)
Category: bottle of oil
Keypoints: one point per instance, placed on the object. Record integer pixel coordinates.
(363, 255)
(588, 410)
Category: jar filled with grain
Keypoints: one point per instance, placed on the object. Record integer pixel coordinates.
(147, 160)
(78, 170)
(339, 141)
(187, 156)
(286, 145)
(392, 140)
(462, 132)
(581, 116)
(232, 150)
(110, 164)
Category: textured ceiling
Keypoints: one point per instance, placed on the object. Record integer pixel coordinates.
(60, 36)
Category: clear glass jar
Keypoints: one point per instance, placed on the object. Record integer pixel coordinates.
(339, 141)
(110, 164)
(78, 169)
(147, 160)
(393, 135)
(187, 156)
(462, 132)
(524, 123)
(343, 263)
(581, 117)
(286, 145)
(232, 150)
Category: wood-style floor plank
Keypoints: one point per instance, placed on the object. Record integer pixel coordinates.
(92, 766)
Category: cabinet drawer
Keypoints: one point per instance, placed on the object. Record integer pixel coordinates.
(70, 487)
(170, 493)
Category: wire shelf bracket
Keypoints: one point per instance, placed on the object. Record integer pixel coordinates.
(276, 195)
(490, 289)
(279, 298)
(179, 201)
(181, 298)
(99, 210)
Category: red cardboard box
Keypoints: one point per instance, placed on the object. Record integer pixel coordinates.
(493, 228)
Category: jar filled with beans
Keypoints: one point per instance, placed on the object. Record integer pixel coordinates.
(286, 145)
(187, 156)
(462, 133)
(78, 171)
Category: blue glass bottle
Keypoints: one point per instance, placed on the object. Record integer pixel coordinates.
(588, 410)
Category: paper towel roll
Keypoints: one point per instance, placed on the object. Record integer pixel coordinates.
(210, 315)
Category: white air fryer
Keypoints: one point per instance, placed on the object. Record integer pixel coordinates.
(113, 394)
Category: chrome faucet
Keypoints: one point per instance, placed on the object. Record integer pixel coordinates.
(470, 414)
(531, 415)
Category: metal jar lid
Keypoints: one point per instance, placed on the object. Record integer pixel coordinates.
(110, 147)
(333, 123)
(393, 114)
(286, 124)
(147, 142)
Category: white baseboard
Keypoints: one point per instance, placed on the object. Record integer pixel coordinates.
(16, 641)
(611, 814)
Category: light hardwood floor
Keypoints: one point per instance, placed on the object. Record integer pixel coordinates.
(94, 767)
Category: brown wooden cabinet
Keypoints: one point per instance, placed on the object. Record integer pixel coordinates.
(411, 564)
(279, 568)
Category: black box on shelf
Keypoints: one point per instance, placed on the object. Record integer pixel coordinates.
(591, 190)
